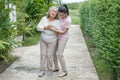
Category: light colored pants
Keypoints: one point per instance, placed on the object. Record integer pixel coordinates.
(61, 43)
(47, 51)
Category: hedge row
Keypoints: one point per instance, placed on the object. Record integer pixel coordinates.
(101, 21)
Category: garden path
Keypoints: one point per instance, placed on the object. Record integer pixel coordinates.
(78, 60)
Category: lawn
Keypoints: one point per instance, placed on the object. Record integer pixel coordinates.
(74, 14)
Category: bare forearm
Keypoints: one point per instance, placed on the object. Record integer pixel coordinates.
(60, 31)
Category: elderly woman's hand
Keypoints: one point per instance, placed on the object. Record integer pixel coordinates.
(51, 27)
(48, 27)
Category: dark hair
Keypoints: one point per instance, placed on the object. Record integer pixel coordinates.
(63, 9)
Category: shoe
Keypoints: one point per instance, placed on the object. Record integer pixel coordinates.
(63, 74)
(55, 70)
(41, 74)
(49, 73)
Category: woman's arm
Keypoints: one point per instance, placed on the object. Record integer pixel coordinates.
(40, 26)
(63, 31)
(59, 31)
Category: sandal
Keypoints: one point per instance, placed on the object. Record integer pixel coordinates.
(55, 70)
(63, 74)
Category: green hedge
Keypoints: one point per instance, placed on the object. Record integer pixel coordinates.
(101, 21)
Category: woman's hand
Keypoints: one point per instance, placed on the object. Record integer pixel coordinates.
(48, 27)
(51, 27)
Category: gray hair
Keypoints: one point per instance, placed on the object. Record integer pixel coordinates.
(51, 8)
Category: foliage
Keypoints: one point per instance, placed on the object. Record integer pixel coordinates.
(100, 19)
(21, 23)
(32, 40)
(73, 5)
(74, 12)
(7, 33)
(58, 2)
(103, 69)
(29, 13)
(37, 8)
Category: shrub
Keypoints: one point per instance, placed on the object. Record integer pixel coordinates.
(100, 19)
(7, 33)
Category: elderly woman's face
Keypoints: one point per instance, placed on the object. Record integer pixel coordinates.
(53, 13)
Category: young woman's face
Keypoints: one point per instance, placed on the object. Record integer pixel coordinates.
(53, 13)
(62, 15)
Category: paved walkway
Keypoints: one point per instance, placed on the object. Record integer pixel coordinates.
(79, 63)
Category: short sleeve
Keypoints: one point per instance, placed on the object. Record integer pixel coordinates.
(68, 23)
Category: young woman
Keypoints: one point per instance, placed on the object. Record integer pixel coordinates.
(65, 20)
(48, 40)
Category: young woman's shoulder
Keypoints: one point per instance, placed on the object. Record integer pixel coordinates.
(68, 19)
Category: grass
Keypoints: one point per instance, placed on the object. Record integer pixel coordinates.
(31, 40)
(74, 14)
(103, 69)
(4, 65)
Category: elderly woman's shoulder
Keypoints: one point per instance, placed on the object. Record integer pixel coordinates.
(44, 17)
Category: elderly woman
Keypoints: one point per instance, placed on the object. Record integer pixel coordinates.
(48, 40)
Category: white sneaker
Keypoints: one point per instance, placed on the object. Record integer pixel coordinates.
(49, 73)
(41, 74)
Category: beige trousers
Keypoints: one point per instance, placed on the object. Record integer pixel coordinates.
(61, 43)
(47, 51)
